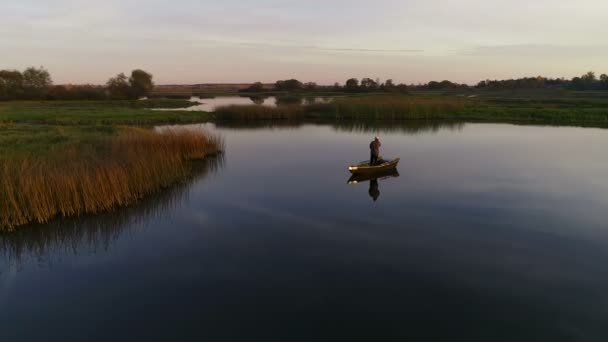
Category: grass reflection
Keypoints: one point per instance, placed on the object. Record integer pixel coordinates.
(98, 232)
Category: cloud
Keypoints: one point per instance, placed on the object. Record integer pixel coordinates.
(537, 50)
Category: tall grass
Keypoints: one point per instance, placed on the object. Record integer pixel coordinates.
(398, 107)
(393, 108)
(97, 232)
(258, 112)
(98, 177)
(353, 108)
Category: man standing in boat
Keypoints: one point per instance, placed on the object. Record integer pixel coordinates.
(374, 147)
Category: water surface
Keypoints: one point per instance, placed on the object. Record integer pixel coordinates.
(491, 232)
(210, 104)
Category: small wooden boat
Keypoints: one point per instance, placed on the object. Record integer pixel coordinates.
(382, 165)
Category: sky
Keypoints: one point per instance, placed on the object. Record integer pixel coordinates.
(230, 41)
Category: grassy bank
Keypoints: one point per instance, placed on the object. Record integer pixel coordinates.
(567, 110)
(71, 113)
(97, 177)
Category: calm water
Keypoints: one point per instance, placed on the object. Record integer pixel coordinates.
(491, 232)
(209, 105)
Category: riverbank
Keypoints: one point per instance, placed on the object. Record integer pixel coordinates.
(570, 109)
(99, 175)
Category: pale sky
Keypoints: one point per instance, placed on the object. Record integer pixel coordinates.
(411, 41)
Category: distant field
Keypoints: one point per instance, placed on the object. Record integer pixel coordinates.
(37, 127)
(97, 112)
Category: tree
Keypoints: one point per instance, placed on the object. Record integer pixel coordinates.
(589, 77)
(310, 86)
(256, 87)
(288, 85)
(388, 85)
(11, 84)
(367, 84)
(119, 87)
(36, 78)
(352, 84)
(141, 83)
(36, 82)
(604, 81)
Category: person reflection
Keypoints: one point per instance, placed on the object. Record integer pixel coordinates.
(374, 192)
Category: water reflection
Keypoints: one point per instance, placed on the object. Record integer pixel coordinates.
(210, 104)
(387, 126)
(97, 232)
(374, 189)
(407, 127)
(258, 100)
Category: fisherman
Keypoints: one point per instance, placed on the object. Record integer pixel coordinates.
(374, 147)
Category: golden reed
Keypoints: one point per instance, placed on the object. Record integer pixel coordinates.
(100, 177)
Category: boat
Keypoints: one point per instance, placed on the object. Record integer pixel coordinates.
(382, 165)
(358, 178)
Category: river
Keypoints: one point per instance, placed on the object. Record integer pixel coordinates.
(490, 232)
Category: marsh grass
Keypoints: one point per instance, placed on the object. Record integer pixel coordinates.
(257, 112)
(98, 232)
(351, 108)
(100, 176)
(91, 113)
(394, 108)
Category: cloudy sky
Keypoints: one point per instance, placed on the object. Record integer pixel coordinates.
(187, 41)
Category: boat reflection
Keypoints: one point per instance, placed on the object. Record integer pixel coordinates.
(374, 191)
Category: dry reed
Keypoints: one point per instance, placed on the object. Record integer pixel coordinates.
(100, 177)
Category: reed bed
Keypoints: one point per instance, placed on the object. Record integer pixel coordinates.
(399, 107)
(98, 177)
(353, 108)
(258, 112)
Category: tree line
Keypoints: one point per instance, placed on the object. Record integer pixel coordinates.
(588, 81)
(37, 84)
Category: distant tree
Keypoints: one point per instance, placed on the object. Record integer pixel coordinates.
(141, 83)
(36, 80)
(11, 84)
(388, 85)
(288, 85)
(79, 92)
(587, 81)
(589, 77)
(604, 81)
(352, 84)
(337, 87)
(402, 87)
(310, 86)
(256, 87)
(119, 87)
(367, 84)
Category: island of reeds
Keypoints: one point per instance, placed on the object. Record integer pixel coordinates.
(98, 176)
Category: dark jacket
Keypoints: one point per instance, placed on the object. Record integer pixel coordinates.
(374, 146)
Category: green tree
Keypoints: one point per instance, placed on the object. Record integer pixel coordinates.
(352, 84)
(36, 82)
(604, 81)
(141, 83)
(11, 84)
(367, 84)
(256, 87)
(288, 85)
(119, 87)
(310, 86)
